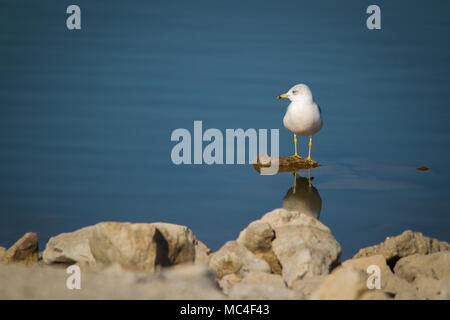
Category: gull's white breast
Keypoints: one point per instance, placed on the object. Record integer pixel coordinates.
(303, 118)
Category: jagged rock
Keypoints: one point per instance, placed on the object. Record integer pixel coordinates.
(257, 238)
(399, 288)
(390, 283)
(309, 285)
(24, 251)
(251, 278)
(346, 283)
(406, 244)
(304, 246)
(228, 281)
(377, 260)
(235, 258)
(47, 282)
(413, 268)
(180, 240)
(136, 246)
(141, 246)
(280, 217)
(263, 292)
(435, 266)
(69, 248)
(365, 262)
(202, 253)
(258, 277)
(433, 289)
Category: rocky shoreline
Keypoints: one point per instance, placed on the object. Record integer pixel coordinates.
(283, 255)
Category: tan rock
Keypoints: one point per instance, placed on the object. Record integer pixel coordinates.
(432, 289)
(309, 285)
(408, 243)
(390, 283)
(257, 238)
(251, 278)
(2, 252)
(376, 260)
(280, 217)
(202, 253)
(24, 251)
(243, 291)
(421, 288)
(228, 281)
(137, 246)
(140, 246)
(47, 282)
(363, 263)
(258, 277)
(305, 249)
(400, 288)
(294, 244)
(434, 266)
(346, 283)
(69, 248)
(375, 295)
(235, 258)
(180, 240)
(270, 257)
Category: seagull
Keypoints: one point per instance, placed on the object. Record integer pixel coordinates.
(303, 116)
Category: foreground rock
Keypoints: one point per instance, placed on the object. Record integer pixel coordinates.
(252, 278)
(243, 291)
(304, 246)
(234, 258)
(284, 255)
(257, 238)
(435, 266)
(134, 246)
(70, 248)
(406, 244)
(47, 282)
(24, 251)
(287, 243)
(389, 283)
(416, 276)
(137, 246)
(347, 283)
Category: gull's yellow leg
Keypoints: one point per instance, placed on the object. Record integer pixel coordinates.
(295, 146)
(310, 144)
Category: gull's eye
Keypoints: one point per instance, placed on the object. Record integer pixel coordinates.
(294, 91)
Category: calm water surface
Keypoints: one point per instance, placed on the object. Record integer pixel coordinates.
(86, 116)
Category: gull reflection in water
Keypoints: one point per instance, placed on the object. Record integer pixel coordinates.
(303, 197)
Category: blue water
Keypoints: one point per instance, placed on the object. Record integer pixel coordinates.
(86, 116)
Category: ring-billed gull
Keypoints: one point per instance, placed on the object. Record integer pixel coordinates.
(303, 116)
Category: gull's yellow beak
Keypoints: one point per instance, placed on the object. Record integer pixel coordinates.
(282, 96)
